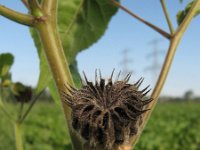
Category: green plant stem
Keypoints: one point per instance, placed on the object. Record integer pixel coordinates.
(25, 2)
(47, 5)
(55, 56)
(16, 16)
(3, 108)
(18, 136)
(167, 16)
(21, 109)
(59, 67)
(157, 29)
(34, 3)
(166, 66)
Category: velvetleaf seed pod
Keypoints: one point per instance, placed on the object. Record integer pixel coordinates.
(107, 113)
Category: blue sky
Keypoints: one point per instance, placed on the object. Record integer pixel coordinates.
(124, 32)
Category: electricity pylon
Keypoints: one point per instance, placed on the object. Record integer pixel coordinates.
(125, 62)
(154, 68)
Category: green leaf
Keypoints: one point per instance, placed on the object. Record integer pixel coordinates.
(183, 13)
(45, 75)
(81, 23)
(6, 61)
(88, 26)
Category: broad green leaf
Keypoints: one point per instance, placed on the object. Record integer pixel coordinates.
(6, 61)
(45, 76)
(182, 14)
(87, 27)
(81, 23)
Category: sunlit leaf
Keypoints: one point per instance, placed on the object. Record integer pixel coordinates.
(89, 25)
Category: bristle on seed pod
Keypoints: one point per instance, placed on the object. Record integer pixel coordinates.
(105, 112)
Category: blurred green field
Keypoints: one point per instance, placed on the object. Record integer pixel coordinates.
(173, 126)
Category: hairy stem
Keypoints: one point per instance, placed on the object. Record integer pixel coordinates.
(18, 136)
(16, 16)
(55, 56)
(167, 16)
(157, 29)
(167, 64)
(59, 67)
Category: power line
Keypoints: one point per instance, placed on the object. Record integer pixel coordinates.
(125, 62)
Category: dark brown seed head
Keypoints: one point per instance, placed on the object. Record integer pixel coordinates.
(21, 92)
(105, 112)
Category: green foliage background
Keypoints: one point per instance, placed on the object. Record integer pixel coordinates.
(173, 126)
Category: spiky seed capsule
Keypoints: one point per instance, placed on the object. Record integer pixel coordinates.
(109, 113)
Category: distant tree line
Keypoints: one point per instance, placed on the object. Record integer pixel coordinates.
(187, 96)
